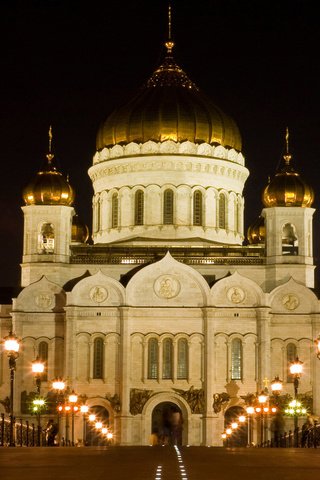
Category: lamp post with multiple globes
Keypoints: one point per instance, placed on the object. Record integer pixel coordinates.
(38, 369)
(58, 385)
(296, 371)
(12, 346)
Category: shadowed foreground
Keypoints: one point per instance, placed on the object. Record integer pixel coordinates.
(158, 463)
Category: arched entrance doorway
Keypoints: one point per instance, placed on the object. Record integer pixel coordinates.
(94, 437)
(239, 436)
(167, 423)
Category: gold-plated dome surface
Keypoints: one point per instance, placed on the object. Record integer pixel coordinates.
(80, 231)
(287, 188)
(49, 187)
(257, 232)
(169, 107)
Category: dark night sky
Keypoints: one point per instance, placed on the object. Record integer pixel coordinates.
(69, 63)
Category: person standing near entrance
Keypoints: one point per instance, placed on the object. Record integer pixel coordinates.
(154, 438)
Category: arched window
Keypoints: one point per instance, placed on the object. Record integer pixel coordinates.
(182, 358)
(46, 238)
(289, 240)
(167, 358)
(115, 211)
(153, 358)
(291, 356)
(138, 207)
(98, 358)
(98, 215)
(236, 359)
(43, 357)
(197, 208)
(222, 211)
(168, 207)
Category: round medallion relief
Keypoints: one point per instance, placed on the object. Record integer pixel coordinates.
(166, 286)
(98, 294)
(235, 294)
(290, 301)
(43, 300)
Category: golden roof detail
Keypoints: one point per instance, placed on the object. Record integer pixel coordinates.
(49, 187)
(287, 188)
(169, 106)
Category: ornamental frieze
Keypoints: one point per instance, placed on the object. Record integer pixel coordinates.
(194, 398)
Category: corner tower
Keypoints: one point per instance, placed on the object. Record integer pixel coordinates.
(48, 214)
(288, 220)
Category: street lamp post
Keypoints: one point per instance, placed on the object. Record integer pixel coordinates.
(11, 346)
(59, 385)
(38, 369)
(84, 409)
(296, 371)
(262, 399)
(73, 398)
(276, 388)
(250, 412)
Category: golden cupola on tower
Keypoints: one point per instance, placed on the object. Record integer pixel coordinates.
(287, 188)
(79, 231)
(169, 107)
(49, 187)
(257, 232)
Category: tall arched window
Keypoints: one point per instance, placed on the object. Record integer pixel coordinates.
(291, 356)
(46, 238)
(182, 358)
(138, 207)
(222, 211)
(43, 357)
(167, 358)
(153, 358)
(168, 207)
(98, 356)
(197, 208)
(236, 216)
(236, 359)
(115, 210)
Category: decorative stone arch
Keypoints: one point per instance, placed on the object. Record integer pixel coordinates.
(293, 297)
(166, 397)
(237, 290)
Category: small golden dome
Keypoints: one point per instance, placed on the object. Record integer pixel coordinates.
(257, 232)
(169, 107)
(49, 187)
(80, 231)
(287, 188)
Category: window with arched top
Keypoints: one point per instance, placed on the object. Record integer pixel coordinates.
(43, 351)
(115, 211)
(291, 356)
(168, 207)
(197, 208)
(138, 207)
(153, 358)
(289, 240)
(222, 211)
(167, 358)
(46, 238)
(236, 359)
(182, 372)
(98, 356)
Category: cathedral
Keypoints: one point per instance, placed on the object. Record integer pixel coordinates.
(168, 316)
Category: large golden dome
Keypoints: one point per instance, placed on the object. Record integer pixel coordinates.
(287, 188)
(49, 187)
(169, 107)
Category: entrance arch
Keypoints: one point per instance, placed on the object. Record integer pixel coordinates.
(167, 423)
(190, 436)
(239, 437)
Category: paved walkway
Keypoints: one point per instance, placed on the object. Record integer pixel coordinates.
(158, 463)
